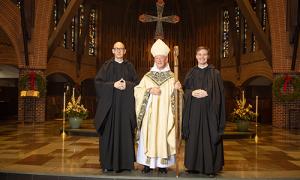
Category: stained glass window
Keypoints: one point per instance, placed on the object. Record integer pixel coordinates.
(253, 42)
(19, 3)
(244, 35)
(225, 47)
(73, 33)
(92, 33)
(70, 37)
(55, 15)
(81, 18)
(65, 34)
(247, 39)
(237, 19)
(264, 16)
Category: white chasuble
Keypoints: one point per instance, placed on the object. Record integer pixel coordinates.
(155, 120)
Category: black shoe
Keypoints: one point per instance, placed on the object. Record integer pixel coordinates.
(122, 170)
(211, 175)
(106, 170)
(192, 171)
(163, 170)
(146, 169)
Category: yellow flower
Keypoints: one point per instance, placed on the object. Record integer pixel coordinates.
(75, 109)
(242, 111)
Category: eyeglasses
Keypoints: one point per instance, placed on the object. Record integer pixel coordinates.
(119, 49)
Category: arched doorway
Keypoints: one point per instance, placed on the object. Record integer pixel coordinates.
(9, 75)
(56, 86)
(231, 93)
(88, 94)
(8, 92)
(262, 87)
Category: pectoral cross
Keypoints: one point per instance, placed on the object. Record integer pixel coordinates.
(159, 33)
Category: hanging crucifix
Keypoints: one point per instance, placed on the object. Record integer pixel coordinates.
(159, 33)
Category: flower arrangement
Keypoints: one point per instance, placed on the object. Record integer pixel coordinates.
(75, 109)
(242, 112)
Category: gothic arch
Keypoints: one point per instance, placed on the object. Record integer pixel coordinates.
(10, 23)
(85, 76)
(8, 53)
(256, 74)
(63, 73)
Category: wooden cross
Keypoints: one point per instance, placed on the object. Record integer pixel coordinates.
(159, 33)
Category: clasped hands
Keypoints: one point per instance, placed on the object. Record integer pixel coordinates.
(157, 91)
(121, 84)
(199, 93)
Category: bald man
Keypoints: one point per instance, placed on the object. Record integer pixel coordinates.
(115, 116)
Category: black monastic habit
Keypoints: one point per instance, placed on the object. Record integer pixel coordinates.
(203, 121)
(115, 116)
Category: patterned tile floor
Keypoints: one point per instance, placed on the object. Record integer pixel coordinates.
(39, 148)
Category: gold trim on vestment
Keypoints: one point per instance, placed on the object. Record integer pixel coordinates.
(160, 77)
(142, 114)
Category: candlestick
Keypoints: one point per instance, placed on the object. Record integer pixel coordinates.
(256, 114)
(64, 106)
(256, 105)
(243, 95)
(64, 117)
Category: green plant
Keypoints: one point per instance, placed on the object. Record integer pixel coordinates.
(75, 109)
(280, 86)
(242, 112)
(33, 81)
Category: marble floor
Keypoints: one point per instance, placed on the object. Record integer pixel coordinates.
(39, 148)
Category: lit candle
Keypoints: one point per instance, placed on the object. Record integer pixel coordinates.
(256, 110)
(67, 88)
(256, 105)
(243, 95)
(64, 107)
(73, 94)
(64, 117)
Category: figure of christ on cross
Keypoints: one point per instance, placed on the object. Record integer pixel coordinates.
(159, 33)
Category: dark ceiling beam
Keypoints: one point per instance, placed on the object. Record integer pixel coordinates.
(60, 5)
(207, 3)
(254, 24)
(296, 39)
(291, 18)
(295, 49)
(82, 38)
(24, 32)
(29, 16)
(62, 25)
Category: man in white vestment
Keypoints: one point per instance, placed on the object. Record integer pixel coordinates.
(155, 99)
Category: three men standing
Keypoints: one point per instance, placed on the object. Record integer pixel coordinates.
(123, 105)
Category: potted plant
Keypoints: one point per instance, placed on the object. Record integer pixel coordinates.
(242, 114)
(76, 112)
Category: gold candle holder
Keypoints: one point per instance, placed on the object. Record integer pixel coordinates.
(63, 134)
(256, 114)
